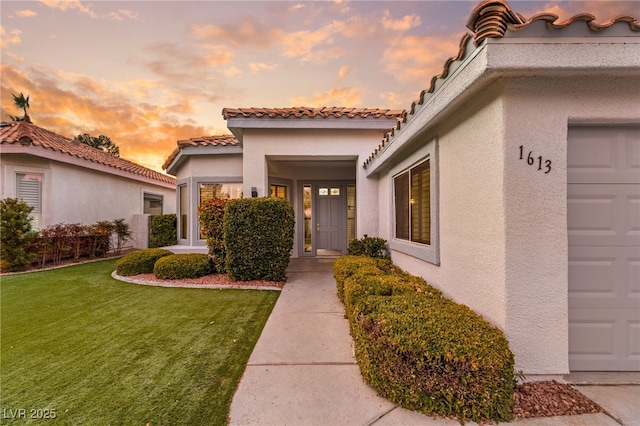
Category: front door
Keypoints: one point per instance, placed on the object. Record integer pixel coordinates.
(325, 219)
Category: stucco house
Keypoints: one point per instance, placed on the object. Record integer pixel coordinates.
(512, 184)
(66, 181)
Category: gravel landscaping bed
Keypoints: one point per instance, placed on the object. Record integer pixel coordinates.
(550, 398)
(208, 280)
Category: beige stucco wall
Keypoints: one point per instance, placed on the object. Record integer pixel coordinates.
(73, 194)
(470, 210)
(503, 224)
(538, 112)
(315, 144)
(210, 165)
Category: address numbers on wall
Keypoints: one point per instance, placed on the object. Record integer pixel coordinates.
(542, 164)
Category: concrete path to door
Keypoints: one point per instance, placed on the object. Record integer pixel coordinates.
(303, 372)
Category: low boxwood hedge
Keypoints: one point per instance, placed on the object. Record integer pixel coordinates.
(140, 262)
(422, 350)
(361, 265)
(178, 266)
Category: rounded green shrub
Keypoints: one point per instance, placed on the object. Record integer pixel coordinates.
(140, 262)
(178, 266)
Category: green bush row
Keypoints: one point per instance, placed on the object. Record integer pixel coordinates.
(422, 350)
(177, 266)
(140, 262)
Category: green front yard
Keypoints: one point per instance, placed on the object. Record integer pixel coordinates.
(97, 351)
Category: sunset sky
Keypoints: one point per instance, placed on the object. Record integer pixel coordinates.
(149, 73)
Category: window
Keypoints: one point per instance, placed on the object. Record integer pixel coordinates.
(184, 210)
(219, 190)
(414, 206)
(351, 213)
(29, 190)
(152, 204)
(207, 191)
(279, 191)
(412, 190)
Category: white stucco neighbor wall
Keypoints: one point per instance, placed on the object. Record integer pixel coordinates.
(73, 194)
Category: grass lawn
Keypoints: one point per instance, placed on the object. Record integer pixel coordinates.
(100, 352)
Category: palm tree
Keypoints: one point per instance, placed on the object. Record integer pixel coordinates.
(22, 102)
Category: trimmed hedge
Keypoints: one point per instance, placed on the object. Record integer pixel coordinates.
(163, 231)
(177, 266)
(421, 350)
(361, 265)
(211, 219)
(140, 262)
(258, 236)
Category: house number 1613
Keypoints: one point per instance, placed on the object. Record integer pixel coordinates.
(543, 165)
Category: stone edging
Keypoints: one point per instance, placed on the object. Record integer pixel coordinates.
(115, 276)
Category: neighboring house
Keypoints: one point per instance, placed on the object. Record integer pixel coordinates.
(66, 181)
(513, 184)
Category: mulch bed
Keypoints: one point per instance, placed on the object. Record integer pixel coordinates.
(550, 398)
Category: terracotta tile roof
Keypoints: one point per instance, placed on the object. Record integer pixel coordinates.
(299, 112)
(492, 19)
(28, 134)
(217, 140)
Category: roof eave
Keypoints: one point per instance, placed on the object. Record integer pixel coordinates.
(190, 151)
(518, 57)
(236, 124)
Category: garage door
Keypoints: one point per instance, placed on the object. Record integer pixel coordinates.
(603, 173)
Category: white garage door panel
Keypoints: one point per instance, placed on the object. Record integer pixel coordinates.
(603, 340)
(603, 155)
(603, 214)
(604, 277)
(603, 224)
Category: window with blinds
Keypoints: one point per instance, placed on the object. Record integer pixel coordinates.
(29, 190)
(412, 198)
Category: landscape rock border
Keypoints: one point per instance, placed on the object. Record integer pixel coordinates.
(149, 280)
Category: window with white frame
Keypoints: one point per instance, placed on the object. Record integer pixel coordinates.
(29, 190)
(414, 209)
(152, 204)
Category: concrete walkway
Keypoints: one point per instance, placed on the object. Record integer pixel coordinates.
(302, 370)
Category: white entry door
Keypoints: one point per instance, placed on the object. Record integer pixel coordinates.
(603, 175)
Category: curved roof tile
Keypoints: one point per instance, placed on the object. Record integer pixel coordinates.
(26, 133)
(492, 19)
(311, 112)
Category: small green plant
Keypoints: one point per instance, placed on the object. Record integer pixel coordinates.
(17, 236)
(177, 266)
(123, 234)
(140, 262)
(163, 231)
(369, 246)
